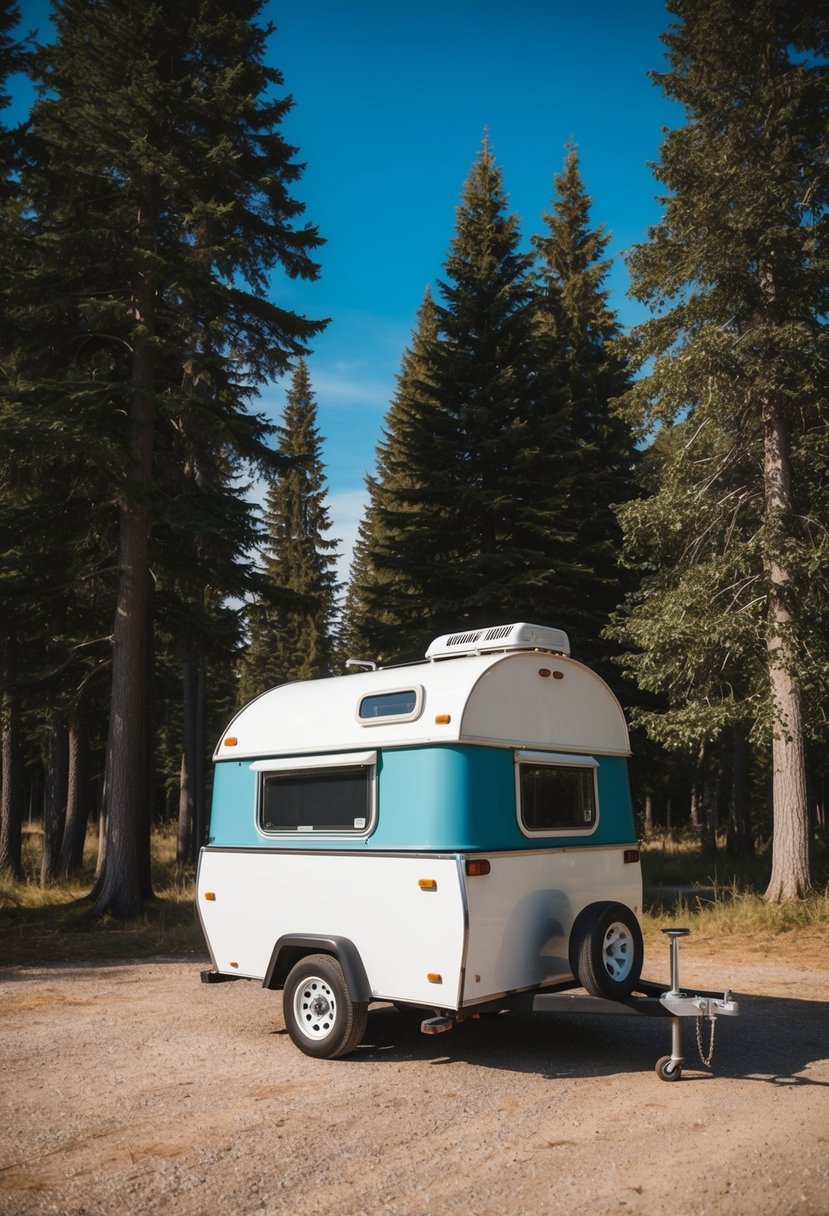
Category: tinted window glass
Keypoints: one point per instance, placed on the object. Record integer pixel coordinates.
(389, 704)
(317, 800)
(556, 798)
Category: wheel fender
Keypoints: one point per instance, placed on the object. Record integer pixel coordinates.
(291, 947)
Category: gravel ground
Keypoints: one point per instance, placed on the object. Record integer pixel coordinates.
(135, 1088)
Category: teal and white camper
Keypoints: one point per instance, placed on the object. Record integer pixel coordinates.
(446, 835)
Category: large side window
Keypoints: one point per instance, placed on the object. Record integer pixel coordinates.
(325, 794)
(556, 793)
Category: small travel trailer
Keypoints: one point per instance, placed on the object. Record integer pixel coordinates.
(448, 835)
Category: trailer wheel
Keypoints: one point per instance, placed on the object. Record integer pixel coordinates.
(606, 950)
(320, 1016)
(667, 1069)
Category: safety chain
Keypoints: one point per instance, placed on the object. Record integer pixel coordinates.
(706, 1059)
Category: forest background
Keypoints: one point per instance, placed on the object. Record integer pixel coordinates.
(658, 492)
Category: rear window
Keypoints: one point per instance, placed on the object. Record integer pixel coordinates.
(556, 794)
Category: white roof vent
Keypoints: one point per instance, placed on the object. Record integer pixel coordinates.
(500, 637)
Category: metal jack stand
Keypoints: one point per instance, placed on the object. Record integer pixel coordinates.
(669, 1068)
(679, 1005)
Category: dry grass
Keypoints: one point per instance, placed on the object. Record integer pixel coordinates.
(721, 896)
(54, 923)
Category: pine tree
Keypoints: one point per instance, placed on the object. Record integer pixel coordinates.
(292, 624)
(159, 189)
(735, 358)
(467, 520)
(377, 584)
(13, 58)
(574, 308)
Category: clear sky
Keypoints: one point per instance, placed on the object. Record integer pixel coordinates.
(391, 102)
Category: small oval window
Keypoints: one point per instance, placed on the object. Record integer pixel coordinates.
(402, 704)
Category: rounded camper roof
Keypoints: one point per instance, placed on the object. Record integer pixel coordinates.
(526, 693)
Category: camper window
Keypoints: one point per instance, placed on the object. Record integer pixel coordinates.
(397, 705)
(556, 793)
(335, 800)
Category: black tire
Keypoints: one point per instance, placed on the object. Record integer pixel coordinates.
(666, 1070)
(606, 950)
(320, 1016)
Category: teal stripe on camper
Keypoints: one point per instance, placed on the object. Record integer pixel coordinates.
(451, 799)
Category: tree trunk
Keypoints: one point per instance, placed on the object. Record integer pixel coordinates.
(192, 810)
(790, 872)
(184, 833)
(54, 800)
(200, 816)
(187, 792)
(703, 805)
(77, 800)
(11, 791)
(739, 840)
(123, 877)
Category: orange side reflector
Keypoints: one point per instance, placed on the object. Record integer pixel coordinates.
(434, 977)
(558, 675)
(443, 719)
(230, 741)
(544, 672)
(427, 884)
(477, 866)
(631, 855)
(234, 964)
(211, 895)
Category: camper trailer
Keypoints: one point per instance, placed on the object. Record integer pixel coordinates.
(448, 836)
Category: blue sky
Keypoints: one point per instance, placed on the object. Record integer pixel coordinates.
(391, 102)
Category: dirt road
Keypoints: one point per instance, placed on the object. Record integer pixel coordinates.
(134, 1088)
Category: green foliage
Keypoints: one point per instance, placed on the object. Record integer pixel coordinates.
(291, 622)
(728, 624)
(574, 311)
(151, 210)
(501, 458)
(736, 273)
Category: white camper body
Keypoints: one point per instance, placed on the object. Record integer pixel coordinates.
(442, 834)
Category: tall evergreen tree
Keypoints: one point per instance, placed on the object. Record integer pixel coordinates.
(736, 356)
(574, 307)
(377, 584)
(160, 197)
(473, 534)
(12, 504)
(292, 624)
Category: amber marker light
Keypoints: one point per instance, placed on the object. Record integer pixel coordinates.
(234, 964)
(434, 977)
(211, 895)
(427, 884)
(477, 866)
(231, 741)
(631, 856)
(558, 675)
(544, 672)
(443, 719)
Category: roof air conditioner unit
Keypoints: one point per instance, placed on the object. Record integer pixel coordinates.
(500, 637)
